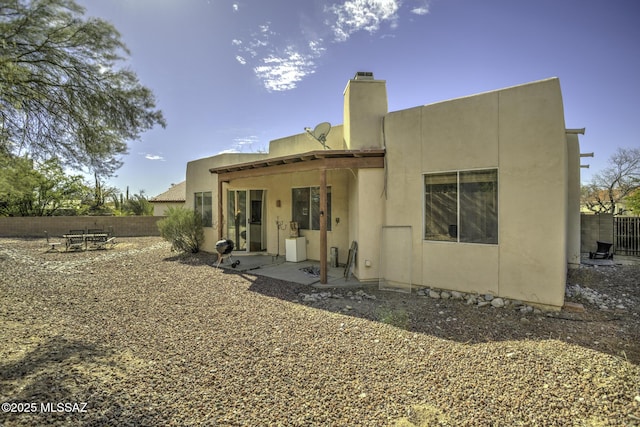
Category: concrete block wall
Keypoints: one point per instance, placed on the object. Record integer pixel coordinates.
(122, 226)
(594, 228)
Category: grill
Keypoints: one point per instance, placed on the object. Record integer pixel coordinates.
(224, 248)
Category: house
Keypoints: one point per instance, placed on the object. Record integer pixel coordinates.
(440, 195)
(173, 197)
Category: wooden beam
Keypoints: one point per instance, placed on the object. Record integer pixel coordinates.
(323, 226)
(220, 209)
(305, 166)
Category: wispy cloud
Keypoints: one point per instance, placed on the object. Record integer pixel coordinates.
(242, 144)
(153, 157)
(229, 151)
(283, 71)
(281, 65)
(420, 10)
(279, 69)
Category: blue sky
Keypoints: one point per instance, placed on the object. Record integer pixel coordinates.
(233, 75)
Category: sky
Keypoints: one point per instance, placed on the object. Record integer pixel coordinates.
(231, 75)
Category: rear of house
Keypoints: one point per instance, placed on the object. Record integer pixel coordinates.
(443, 195)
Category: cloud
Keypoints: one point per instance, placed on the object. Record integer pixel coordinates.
(153, 157)
(278, 69)
(421, 10)
(240, 143)
(356, 15)
(229, 151)
(281, 62)
(235, 7)
(283, 71)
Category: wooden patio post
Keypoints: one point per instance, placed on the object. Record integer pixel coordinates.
(323, 226)
(220, 208)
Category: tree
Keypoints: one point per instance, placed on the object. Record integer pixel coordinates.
(616, 182)
(633, 202)
(138, 205)
(61, 93)
(40, 190)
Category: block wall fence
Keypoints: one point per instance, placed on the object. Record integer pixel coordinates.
(122, 226)
(594, 228)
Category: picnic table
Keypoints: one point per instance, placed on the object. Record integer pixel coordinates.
(79, 240)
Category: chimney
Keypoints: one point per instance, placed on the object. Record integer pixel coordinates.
(365, 105)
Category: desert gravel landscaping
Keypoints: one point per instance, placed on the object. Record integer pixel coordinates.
(141, 336)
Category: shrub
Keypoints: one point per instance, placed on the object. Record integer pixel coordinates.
(398, 317)
(183, 229)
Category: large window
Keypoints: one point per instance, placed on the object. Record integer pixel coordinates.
(462, 206)
(203, 204)
(306, 207)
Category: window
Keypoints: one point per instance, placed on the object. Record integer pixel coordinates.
(462, 206)
(203, 204)
(306, 207)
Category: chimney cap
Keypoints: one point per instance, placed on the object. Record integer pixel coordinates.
(363, 75)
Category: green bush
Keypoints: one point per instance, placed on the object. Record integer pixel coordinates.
(183, 229)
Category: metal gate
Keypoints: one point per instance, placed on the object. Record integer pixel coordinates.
(626, 233)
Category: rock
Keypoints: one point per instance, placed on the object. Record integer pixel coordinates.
(483, 303)
(573, 307)
(488, 297)
(471, 300)
(445, 295)
(456, 295)
(309, 298)
(434, 294)
(497, 302)
(524, 320)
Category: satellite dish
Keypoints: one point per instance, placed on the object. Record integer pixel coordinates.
(320, 132)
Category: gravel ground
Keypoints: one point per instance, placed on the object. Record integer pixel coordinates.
(138, 336)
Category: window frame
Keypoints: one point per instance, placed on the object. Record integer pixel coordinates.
(488, 238)
(311, 208)
(201, 208)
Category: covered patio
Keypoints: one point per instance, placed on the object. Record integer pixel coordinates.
(320, 161)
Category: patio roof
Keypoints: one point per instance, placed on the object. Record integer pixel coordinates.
(320, 161)
(312, 160)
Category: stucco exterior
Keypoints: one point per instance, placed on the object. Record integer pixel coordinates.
(518, 132)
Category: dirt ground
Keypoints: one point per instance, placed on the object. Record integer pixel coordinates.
(614, 329)
(146, 337)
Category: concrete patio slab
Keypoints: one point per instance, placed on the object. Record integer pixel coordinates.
(277, 268)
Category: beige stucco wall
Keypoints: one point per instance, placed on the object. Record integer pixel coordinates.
(200, 179)
(278, 187)
(161, 208)
(573, 213)
(520, 131)
(365, 104)
(366, 215)
(304, 142)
